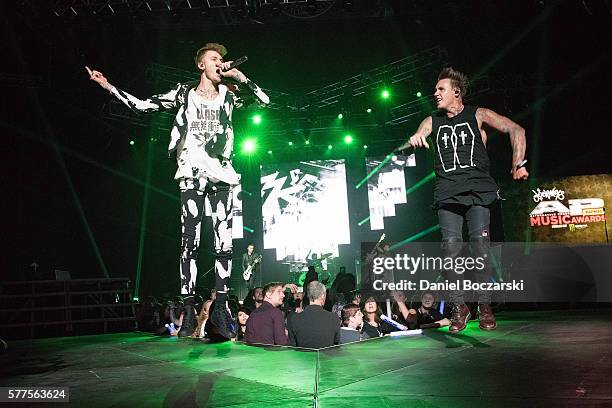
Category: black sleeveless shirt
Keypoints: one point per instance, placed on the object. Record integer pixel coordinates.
(461, 162)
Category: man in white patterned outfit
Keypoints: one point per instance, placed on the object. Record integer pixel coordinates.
(202, 138)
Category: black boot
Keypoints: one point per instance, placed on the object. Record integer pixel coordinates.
(189, 318)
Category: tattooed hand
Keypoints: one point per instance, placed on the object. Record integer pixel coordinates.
(97, 76)
(232, 73)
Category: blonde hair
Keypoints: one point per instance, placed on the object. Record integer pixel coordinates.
(209, 47)
(202, 317)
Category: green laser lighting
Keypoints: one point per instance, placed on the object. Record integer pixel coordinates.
(132, 143)
(419, 94)
(385, 94)
(290, 143)
(307, 142)
(329, 147)
(365, 146)
(369, 110)
(269, 151)
(340, 116)
(348, 139)
(257, 119)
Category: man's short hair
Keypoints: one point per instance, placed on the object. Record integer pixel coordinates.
(348, 311)
(315, 290)
(270, 287)
(209, 47)
(458, 79)
(251, 244)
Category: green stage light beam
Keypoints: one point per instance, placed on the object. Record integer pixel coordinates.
(389, 156)
(415, 236)
(421, 182)
(348, 139)
(385, 94)
(257, 119)
(248, 229)
(360, 223)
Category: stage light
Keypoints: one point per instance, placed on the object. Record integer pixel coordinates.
(348, 139)
(132, 143)
(365, 146)
(257, 119)
(249, 146)
(369, 110)
(269, 151)
(385, 94)
(419, 94)
(329, 147)
(340, 116)
(307, 142)
(290, 143)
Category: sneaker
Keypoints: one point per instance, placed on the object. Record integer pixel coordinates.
(460, 317)
(486, 317)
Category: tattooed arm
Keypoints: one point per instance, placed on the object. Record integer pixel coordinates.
(154, 103)
(419, 139)
(517, 138)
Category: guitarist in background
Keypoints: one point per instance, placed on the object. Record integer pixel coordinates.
(252, 259)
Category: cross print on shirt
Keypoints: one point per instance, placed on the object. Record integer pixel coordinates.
(445, 140)
(462, 155)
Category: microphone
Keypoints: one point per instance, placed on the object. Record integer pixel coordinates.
(237, 62)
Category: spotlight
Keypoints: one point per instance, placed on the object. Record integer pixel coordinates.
(348, 139)
(369, 110)
(249, 145)
(329, 147)
(365, 146)
(340, 116)
(257, 119)
(132, 143)
(385, 94)
(290, 143)
(419, 94)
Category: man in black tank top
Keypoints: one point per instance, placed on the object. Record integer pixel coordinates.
(464, 188)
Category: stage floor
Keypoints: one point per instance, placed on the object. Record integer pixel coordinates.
(549, 359)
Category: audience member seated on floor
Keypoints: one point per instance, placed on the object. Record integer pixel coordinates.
(428, 315)
(352, 320)
(266, 324)
(241, 321)
(315, 327)
(201, 329)
(254, 298)
(401, 313)
(372, 324)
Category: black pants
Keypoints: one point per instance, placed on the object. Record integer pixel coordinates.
(477, 219)
(192, 211)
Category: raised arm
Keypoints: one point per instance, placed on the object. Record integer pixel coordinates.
(262, 98)
(517, 138)
(419, 139)
(154, 103)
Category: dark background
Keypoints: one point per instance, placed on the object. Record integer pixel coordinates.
(71, 179)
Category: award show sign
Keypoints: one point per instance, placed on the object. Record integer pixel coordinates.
(570, 209)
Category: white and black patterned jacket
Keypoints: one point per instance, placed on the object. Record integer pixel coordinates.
(222, 143)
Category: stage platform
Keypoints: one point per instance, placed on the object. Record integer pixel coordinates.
(547, 359)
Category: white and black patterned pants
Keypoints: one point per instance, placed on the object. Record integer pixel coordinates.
(192, 212)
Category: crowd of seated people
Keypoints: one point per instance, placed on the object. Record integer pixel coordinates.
(283, 314)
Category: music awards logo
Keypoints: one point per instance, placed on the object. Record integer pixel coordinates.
(551, 211)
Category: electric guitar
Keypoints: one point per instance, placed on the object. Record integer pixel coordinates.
(249, 271)
(372, 254)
